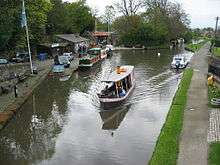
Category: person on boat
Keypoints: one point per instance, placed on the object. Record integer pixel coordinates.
(121, 92)
(177, 66)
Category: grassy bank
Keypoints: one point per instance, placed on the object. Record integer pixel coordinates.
(167, 147)
(194, 47)
(216, 51)
(213, 92)
(214, 148)
(214, 153)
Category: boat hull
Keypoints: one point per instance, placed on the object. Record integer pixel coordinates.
(180, 67)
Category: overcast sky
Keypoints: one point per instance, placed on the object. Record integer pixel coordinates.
(202, 12)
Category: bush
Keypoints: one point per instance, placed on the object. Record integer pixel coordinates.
(217, 42)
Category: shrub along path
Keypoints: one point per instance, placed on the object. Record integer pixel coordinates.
(193, 142)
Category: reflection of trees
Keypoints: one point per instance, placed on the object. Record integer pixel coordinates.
(113, 118)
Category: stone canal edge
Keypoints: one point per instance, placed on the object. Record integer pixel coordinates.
(23, 94)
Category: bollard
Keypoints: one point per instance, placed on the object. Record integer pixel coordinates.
(15, 91)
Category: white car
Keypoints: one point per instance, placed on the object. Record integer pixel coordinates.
(3, 61)
(64, 60)
(69, 56)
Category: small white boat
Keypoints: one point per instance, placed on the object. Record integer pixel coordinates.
(179, 62)
(64, 78)
(119, 87)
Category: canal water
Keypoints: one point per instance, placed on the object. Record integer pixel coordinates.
(62, 122)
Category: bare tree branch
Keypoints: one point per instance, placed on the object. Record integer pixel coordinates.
(129, 7)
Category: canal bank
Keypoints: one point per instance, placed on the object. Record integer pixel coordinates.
(193, 147)
(11, 104)
(183, 138)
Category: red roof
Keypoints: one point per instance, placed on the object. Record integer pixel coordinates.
(101, 34)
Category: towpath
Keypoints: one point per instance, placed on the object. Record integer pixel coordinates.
(193, 142)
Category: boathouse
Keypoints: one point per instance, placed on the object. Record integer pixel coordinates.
(53, 49)
(74, 40)
(105, 37)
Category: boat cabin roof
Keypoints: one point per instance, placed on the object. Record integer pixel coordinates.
(114, 76)
(95, 49)
(179, 57)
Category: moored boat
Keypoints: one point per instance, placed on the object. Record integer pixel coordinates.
(119, 87)
(93, 56)
(179, 62)
(109, 50)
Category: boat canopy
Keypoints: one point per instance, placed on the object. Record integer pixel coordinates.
(94, 49)
(115, 76)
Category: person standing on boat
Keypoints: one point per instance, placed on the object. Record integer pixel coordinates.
(121, 92)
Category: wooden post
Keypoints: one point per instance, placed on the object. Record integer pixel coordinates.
(216, 27)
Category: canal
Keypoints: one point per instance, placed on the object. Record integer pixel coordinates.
(62, 122)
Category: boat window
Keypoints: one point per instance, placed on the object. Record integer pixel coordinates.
(178, 59)
(109, 90)
(94, 52)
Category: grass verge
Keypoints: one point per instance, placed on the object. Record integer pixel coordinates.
(194, 47)
(213, 92)
(214, 148)
(214, 152)
(167, 147)
(216, 51)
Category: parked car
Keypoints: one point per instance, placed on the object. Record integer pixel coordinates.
(21, 57)
(64, 60)
(3, 61)
(69, 56)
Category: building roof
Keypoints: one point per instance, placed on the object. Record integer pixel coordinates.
(53, 45)
(72, 38)
(101, 34)
(114, 76)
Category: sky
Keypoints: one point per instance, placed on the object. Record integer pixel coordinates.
(202, 13)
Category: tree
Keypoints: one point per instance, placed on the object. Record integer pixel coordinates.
(169, 15)
(12, 35)
(57, 18)
(9, 18)
(129, 7)
(109, 16)
(79, 18)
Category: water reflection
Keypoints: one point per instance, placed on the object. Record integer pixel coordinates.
(62, 123)
(113, 118)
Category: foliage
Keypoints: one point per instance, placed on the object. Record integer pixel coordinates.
(194, 47)
(161, 22)
(8, 9)
(217, 42)
(73, 17)
(129, 7)
(216, 51)
(44, 18)
(80, 18)
(57, 19)
(214, 152)
(167, 146)
(213, 92)
(12, 35)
